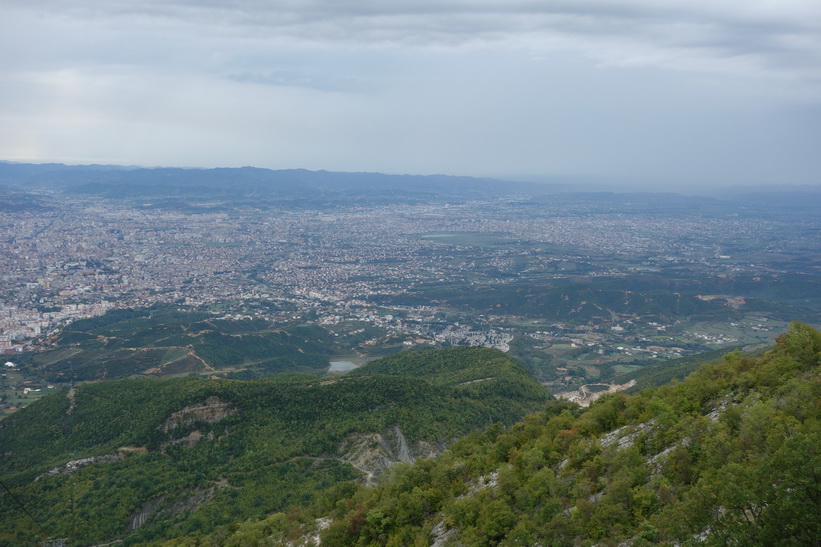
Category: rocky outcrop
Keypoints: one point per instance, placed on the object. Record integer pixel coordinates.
(166, 508)
(210, 411)
(190, 440)
(374, 453)
(584, 395)
(146, 510)
(74, 465)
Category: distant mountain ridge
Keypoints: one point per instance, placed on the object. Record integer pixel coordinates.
(114, 181)
(261, 187)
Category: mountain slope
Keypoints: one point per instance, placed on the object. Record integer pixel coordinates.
(732, 455)
(162, 341)
(148, 458)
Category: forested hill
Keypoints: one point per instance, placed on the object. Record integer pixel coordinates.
(146, 459)
(731, 455)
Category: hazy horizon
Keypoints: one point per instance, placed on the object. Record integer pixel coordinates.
(562, 184)
(665, 96)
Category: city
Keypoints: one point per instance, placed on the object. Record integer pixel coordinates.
(510, 272)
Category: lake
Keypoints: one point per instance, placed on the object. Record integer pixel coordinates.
(341, 366)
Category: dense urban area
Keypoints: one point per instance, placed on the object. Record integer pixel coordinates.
(427, 273)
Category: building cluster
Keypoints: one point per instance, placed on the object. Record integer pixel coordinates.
(81, 257)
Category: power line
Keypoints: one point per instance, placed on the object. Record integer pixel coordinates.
(61, 541)
(23, 507)
(71, 494)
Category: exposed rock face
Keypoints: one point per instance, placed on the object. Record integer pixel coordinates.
(584, 396)
(191, 439)
(441, 534)
(373, 453)
(160, 506)
(401, 451)
(626, 435)
(146, 510)
(74, 465)
(210, 411)
(312, 540)
(70, 467)
(71, 394)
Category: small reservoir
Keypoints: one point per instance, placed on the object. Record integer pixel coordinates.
(341, 366)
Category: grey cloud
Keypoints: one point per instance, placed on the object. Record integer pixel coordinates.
(318, 80)
(482, 87)
(782, 34)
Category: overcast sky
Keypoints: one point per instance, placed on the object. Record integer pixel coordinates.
(669, 93)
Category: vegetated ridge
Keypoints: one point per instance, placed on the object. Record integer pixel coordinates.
(162, 341)
(731, 455)
(144, 459)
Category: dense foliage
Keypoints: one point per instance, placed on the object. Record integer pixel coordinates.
(652, 298)
(162, 341)
(732, 455)
(180, 455)
(659, 374)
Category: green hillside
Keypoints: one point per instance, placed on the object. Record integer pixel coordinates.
(730, 456)
(162, 341)
(143, 459)
(654, 298)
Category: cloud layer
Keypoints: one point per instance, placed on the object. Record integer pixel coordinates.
(681, 92)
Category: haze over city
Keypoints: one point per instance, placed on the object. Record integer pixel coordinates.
(670, 95)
